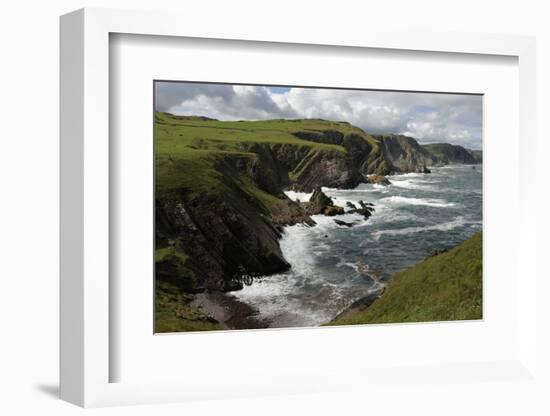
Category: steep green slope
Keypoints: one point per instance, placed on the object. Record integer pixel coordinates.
(444, 287)
(298, 148)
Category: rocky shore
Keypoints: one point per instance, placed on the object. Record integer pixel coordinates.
(228, 311)
(220, 205)
(218, 309)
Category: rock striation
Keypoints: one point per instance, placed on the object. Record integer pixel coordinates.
(453, 154)
(406, 155)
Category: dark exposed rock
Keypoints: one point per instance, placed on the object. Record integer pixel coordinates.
(337, 169)
(378, 179)
(217, 236)
(216, 232)
(334, 210)
(344, 223)
(289, 213)
(405, 153)
(320, 203)
(478, 155)
(365, 209)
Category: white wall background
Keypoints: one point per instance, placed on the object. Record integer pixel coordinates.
(29, 205)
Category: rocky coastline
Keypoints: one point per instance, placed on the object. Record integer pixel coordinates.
(212, 239)
(445, 286)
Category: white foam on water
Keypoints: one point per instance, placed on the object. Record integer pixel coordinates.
(384, 214)
(361, 188)
(339, 196)
(275, 297)
(446, 226)
(407, 175)
(428, 202)
(376, 188)
(298, 196)
(340, 202)
(413, 184)
(348, 264)
(304, 295)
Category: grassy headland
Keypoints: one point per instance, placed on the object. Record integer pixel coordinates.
(444, 287)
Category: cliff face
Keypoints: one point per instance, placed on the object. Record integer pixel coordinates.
(405, 153)
(220, 203)
(362, 156)
(453, 154)
(478, 155)
(301, 167)
(211, 237)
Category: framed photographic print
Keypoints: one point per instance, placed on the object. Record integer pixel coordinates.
(285, 213)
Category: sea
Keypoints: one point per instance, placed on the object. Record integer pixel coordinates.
(333, 265)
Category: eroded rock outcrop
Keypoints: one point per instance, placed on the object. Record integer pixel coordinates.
(405, 153)
(344, 223)
(320, 203)
(365, 208)
(378, 179)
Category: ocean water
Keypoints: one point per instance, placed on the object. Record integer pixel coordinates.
(333, 266)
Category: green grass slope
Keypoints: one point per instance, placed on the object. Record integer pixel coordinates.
(199, 143)
(444, 287)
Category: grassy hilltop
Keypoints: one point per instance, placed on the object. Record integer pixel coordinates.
(444, 287)
(199, 142)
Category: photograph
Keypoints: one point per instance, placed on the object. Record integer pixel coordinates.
(298, 207)
(275, 208)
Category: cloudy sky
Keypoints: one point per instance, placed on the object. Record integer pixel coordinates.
(429, 118)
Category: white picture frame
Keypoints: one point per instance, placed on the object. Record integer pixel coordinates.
(85, 183)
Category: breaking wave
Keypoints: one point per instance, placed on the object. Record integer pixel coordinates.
(429, 202)
(446, 226)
